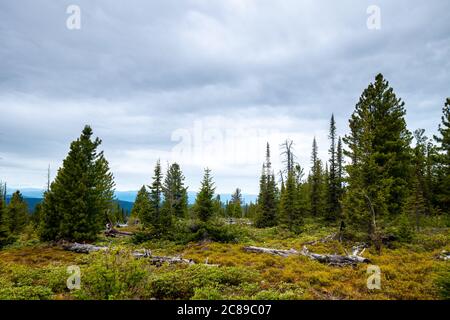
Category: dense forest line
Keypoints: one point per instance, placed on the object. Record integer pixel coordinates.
(392, 179)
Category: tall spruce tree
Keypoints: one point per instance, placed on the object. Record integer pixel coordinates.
(333, 192)
(155, 217)
(378, 143)
(204, 203)
(235, 205)
(290, 215)
(267, 199)
(141, 205)
(340, 172)
(442, 192)
(420, 199)
(219, 207)
(175, 193)
(5, 236)
(75, 207)
(317, 185)
(18, 215)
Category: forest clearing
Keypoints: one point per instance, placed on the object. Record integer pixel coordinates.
(374, 226)
(413, 270)
(224, 159)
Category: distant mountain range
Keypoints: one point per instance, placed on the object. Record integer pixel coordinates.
(125, 198)
(32, 202)
(131, 196)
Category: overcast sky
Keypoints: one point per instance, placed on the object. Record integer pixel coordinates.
(205, 83)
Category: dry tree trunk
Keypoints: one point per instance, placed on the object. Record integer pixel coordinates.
(331, 259)
(111, 232)
(444, 255)
(158, 260)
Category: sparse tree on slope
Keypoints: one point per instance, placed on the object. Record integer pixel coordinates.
(333, 207)
(267, 198)
(5, 236)
(317, 185)
(443, 160)
(17, 212)
(235, 204)
(204, 203)
(378, 177)
(175, 193)
(290, 214)
(141, 205)
(75, 207)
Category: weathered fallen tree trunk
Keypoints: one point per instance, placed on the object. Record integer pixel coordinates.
(444, 255)
(111, 232)
(278, 252)
(114, 232)
(158, 260)
(331, 259)
(334, 259)
(82, 248)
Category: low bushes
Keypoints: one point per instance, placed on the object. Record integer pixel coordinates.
(184, 232)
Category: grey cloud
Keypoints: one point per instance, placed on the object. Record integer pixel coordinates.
(139, 70)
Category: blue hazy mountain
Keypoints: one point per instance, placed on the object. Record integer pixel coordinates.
(32, 202)
(131, 196)
(33, 196)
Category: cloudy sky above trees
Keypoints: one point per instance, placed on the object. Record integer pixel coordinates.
(205, 83)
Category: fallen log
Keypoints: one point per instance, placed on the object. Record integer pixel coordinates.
(278, 252)
(112, 232)
(331, 259)
(82, 247)
(444, 255)
(334, 259)
(157, 260)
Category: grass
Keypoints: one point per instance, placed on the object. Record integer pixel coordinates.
(33, 270)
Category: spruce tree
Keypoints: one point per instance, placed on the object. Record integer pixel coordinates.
(442, 192)
(36, 217)
(317, 183)
(333, 192)
(5, 236)
(175, 202)
(219, 206)
(267, 198)
(378, 176)
(17, 212)
(290, 215)
(141, 205)
(419, 201)
(75, 208)
(236, 204)
(340, 172)
(204, 203)
(155, 217)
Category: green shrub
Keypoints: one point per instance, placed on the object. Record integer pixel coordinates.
(113, 275)
(214, 231)
(183, 283)
(405, 230)
(26, 293)
(443, 284)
